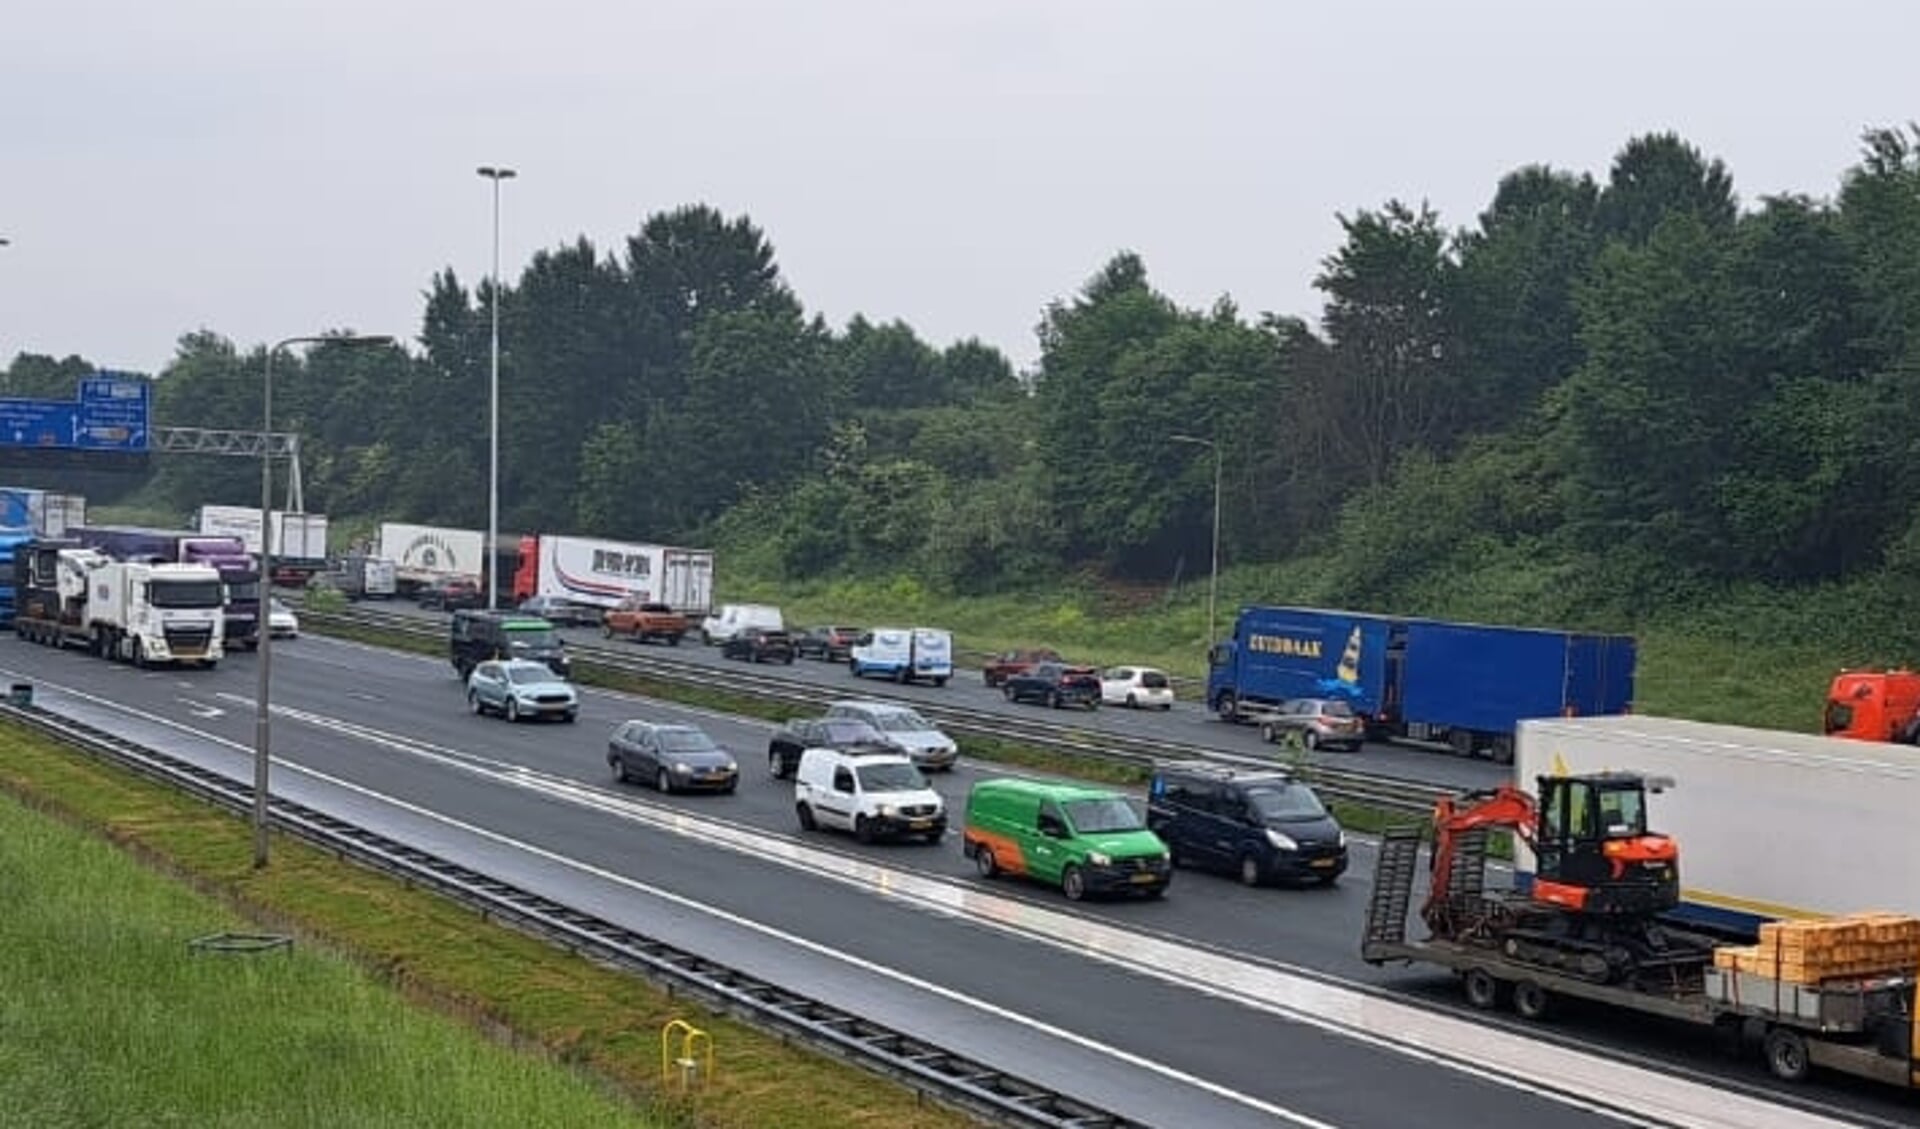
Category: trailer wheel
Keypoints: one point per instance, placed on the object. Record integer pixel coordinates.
(1531, 1001)
(1503, 749)
(1786, 1053)
(1482, 990)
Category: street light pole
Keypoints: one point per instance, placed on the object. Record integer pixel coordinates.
(1213, 577)
(262, 710)
(492, 554)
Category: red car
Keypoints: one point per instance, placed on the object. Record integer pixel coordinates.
(451, 594)
(1005, 665)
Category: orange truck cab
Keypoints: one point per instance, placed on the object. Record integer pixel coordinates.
(1874, 705)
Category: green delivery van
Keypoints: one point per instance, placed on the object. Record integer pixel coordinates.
(1086, 840)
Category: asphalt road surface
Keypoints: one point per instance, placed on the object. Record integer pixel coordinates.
(1220, 1005)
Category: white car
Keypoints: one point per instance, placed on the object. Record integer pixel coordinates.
(1136, 687)
(731, 619)
(282, 622)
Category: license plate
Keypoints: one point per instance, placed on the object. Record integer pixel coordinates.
(1145, 879)
(1323, 862)
(922, 824)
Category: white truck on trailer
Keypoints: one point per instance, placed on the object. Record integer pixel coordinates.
(589, 570)
(422, 554)
(155, 613)
(1771, 824)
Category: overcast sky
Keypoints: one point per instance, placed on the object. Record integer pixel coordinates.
(266, 168)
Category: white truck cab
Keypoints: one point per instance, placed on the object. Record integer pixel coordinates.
(156, 613)
(875, 796)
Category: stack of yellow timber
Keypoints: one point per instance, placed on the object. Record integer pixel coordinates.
(1807, 952)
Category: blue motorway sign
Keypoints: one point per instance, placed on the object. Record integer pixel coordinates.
(38, 423)
(112, 414)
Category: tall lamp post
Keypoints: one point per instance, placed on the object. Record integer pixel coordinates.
(1213, 578)
(492, 555)
(262, 710)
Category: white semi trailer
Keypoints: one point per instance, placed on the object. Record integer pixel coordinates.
(1770, 824)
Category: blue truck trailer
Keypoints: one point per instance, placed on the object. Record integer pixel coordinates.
(1464, 684)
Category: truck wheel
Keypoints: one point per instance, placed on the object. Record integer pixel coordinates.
(1503, 750)
(1786, 1054)
(1073, 883)
(1482, 990)
(1228, 707)
(1461, 742)
(139, 654)
(1531, 1001)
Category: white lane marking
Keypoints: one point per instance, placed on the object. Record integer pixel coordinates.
(1582, 1080)
(1225, 1093)
(201, 709)
(1526, 1064)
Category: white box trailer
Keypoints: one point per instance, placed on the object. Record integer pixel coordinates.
(422, 554)
(588, 570)
(296, 537)
(1770, 824)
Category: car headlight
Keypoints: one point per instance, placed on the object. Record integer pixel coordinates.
(1343, 840)
(1281, 842)
(884, 811)
(1099, 858)
(731, 767)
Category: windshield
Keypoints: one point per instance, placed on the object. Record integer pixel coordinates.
(244, 591)
(849, 732)
(536, 637)
(685, 741)
(903, 721)
(890, 778)
(1623, 812)
(1111, 813)
(185, 593)
(529, 674)
(1286, 802)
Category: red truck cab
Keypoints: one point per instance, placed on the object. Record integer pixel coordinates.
(1874, 705)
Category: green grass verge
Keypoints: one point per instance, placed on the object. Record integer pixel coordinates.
(88, 1040)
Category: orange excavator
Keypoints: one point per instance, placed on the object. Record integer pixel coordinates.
(1600, 882)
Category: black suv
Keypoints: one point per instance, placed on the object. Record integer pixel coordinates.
(759, 645)
(473, 637)
(1259, 824)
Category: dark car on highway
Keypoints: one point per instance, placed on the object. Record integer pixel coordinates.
(1056, 684)
(846, 734)
(759, 645)
(834, 644)
(672, 758)
(450, 593)
(1006, 664)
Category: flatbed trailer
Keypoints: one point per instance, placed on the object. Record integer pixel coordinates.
(1862, 1026)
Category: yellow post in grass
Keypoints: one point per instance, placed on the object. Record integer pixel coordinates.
(692, 1067)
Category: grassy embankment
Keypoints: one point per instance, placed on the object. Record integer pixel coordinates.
(111, 1019)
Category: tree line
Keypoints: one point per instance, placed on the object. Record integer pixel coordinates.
(1613, 389)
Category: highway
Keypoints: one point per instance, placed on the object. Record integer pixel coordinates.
(1188, 722)
(1219, 1006)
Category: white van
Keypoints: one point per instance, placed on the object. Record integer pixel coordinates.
(905, 654)
(727, 622)
(874, 796)
(902, 725)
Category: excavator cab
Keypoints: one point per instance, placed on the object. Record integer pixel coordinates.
(1594, 854)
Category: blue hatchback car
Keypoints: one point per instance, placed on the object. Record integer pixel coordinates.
(517, 689)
